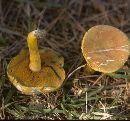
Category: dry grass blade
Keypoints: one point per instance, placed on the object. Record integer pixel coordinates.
(52, 24)
(101, 76)
(65, 23)
(5, 30)
(82, 66)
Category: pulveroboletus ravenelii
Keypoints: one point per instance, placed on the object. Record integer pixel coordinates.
(105, 48)
(36, 70)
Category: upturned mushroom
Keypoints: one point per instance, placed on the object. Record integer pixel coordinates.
(105, 48)
(36, 70)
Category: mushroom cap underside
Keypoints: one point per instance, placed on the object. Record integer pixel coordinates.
(105, 48)
(49, 78)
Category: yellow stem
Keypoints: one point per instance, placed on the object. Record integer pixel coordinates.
(35, 60)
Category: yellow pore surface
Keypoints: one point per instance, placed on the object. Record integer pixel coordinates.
(49, 78)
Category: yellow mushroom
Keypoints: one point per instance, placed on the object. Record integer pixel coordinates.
(36, 70)
(105, 48)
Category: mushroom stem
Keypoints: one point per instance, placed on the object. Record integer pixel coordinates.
(35, 60)
(89, 70)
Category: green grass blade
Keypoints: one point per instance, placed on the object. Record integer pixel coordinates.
(119, 76)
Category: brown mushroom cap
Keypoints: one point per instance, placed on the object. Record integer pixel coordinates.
(49, 78)
(105, 48)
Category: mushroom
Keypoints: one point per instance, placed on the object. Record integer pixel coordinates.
(36, 70)
(105, 48)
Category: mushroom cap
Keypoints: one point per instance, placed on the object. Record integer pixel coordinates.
(48, 79)
(105, 48)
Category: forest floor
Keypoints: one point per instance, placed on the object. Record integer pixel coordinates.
(83, 95)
